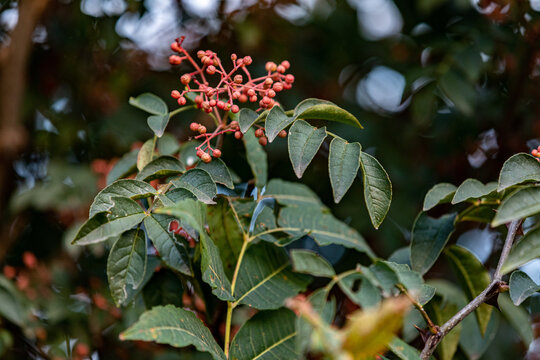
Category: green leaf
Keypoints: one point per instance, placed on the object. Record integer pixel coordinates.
(429, 236)
(265, 279)
(145, 154)
(161, 167)
(309, 262)
(377, 189)
(173, 326)
(360, 290)
(322, 227)
(439, 194)
(188, 210)
(527, 249)
(172, 197)
(133, 189)
(324, 110)
(122, 216)
(256, 158)
(126, 264)
(403, 350)
(13, 304)
(518, 169)
(123, 167)
(167, 144)
(173, 253)
(483, 214)
(200, 183)
(459, 91)
(303, 142)
(276, 121)
(474, 278)
(226, 233)
(218, 171)
(521, 287)
(472, 189)
(472, 341)
(520, 204)
(158, 123)
(246, 118)
(518, 318)
(343, 164)
(212, 269)
(449, 344)
(150, 103)
(164, 289)
(267, 335)
(292, 194)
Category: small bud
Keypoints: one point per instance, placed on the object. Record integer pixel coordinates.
(200, 54)
(251, 92)
(211, 70)
(270, 66)
(216, 153)
(194, 126)
(248, 60)
(185, 79)
(271, 93)
(281, 69)
(238, 79)
(182, 101)
(268, 82)
(259, 132)
(238, 135)
(282, 134)
(233, 57)
(175, 94)
(202, 129)
(175, 60)
(236, 95)
(175, 47)
(263, 141)
(286, 64)
(289, 78)
(206, 158)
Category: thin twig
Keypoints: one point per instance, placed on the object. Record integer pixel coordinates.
(434, 329)
(496, 286)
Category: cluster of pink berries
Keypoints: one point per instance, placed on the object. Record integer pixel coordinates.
(236, 84)
(536, 153)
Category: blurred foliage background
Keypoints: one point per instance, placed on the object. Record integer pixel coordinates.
(446, 90)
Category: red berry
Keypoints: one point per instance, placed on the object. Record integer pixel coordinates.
(289, 78)
(263, 141)
(235, 109)
(278, 86)
(259, 132)
(268, 82)
(234, 57)
(271, 93)
(200, 153)
(281, 69)
(233, 124)
(534, 152)
(174, 225)
(182, 101)
(213, 102)
(198, 99)
(282, 134)
(29, 259)
(211, 70)
(221, 105)
(175, 94)
(194, 126)
(175, 47)
(266, 100)
(238, 135)
(206, 158)
(270, 66)
(253, 98)
(251, 92)
(248, 60)
(202, 129)
(238, 79)
(175, 60)
(200, 54)
(243, 98)
(185, 79)
(286, 64)
(216, 153)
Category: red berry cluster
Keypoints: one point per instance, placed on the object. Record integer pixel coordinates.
(236, 84)
(536, 153)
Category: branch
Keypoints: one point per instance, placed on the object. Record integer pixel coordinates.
(496, 286)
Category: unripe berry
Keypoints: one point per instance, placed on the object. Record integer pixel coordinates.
(251, 92)
(243, 98)
(266, 100)
(200, 54)
(278, 86)
(211, 70)
(236, 95)
(534, 152)
(233, 57)
(238, 135)
(286, 64)
(175, 47)
(202, 129)
(263, 141)
(213, 102)
(221, 105)
(268, 82)
(200, 153)
(289, 78)
(216, 153)
(259, 132)
(281, 69)
(206, 158)
(185, 79)
(238, 79)
(182, 101)
(198, 99)
(248, 60)
(287, 86)
(175, 60)
(253, 98)
(271, 93)
(235, 109)
(282, 133)
(270, 66)
(175, 94)
(194, 126)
